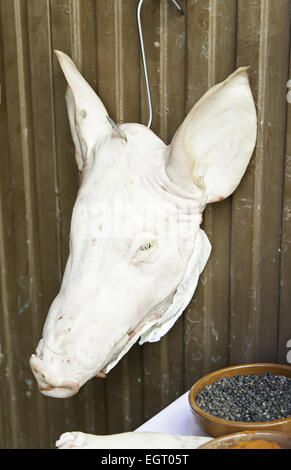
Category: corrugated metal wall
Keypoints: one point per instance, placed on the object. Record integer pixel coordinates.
(241, 311)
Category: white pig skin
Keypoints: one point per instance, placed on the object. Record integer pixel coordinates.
(129, 440)
(136, 247)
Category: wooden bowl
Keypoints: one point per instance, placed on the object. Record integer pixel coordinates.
(232, 440)
(215, 426)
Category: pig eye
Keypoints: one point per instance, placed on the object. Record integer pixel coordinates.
(145, 247)
(147, 252)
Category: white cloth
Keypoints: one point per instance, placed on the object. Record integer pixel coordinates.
(177, 418)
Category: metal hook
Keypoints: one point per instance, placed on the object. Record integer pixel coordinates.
(138, 14)
(117, 129)
(177, 5)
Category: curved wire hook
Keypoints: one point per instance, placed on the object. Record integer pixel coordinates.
(138, 14)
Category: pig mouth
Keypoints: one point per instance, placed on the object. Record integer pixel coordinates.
(49, 384)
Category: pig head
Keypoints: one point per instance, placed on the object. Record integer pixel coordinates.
(136, 247)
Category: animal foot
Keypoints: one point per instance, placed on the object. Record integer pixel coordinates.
(71, 440)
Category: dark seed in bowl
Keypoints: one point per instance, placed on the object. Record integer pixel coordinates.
(248, 398)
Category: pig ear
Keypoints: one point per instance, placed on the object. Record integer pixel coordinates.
(87, 114)
(214, 144)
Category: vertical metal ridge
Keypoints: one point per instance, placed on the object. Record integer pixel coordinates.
(163, 133)
(75, 29)
(231, 210)
(24, 134)
(119, 71)
(14, 421)
(126, 395)
(163, 85)
(259, 160)
(212, 42)
(208, 214)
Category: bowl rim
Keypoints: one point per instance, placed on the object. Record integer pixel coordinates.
(247, 424)
(254, 433)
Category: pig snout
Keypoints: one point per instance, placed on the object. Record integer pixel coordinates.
(48, 381)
